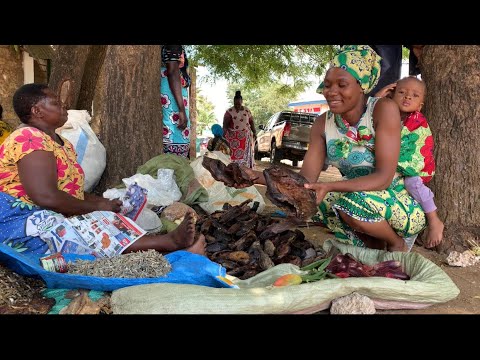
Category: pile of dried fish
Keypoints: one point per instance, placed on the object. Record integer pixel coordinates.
(285, 187)
(22, 295)
(14, 287)
(142, 264)
(247, 243)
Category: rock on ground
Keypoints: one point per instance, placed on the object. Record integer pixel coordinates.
(352, 304)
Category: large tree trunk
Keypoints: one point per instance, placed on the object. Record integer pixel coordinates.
(68, 69)
(193, 113)
(452, 107)
(11, 79)
(120, 86)
(127, 109)
(93, 65)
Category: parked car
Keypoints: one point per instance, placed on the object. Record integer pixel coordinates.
(285, 136)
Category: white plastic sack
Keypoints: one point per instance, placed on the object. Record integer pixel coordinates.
(113, 193)
(218, 193)
(91, 154)
(162, 191)
(149, 221)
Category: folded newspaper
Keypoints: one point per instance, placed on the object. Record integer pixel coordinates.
(100, 233)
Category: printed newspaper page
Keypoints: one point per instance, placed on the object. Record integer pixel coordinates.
(101, 233)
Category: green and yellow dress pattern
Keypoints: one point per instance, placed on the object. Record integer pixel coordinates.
(351, 150)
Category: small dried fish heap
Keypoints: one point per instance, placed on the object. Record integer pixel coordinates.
(247, 243)
(22, 295)
(142, 264)
(14, 287)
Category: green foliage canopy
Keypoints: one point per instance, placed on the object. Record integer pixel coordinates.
(205, 113)
(254, 65)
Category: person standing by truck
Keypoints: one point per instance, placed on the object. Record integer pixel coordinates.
(239, 130)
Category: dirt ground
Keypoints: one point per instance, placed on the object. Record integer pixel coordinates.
(467, 279)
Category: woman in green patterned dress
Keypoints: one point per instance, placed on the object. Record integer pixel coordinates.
(361, 137)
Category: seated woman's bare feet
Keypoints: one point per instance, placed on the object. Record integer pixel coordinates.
(182, 238)
(184, 235)
(198, 247)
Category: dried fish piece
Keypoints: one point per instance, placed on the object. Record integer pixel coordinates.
(269, 248)
(285, 189)
(231, 174)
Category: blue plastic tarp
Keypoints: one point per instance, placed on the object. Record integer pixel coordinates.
(187, 268)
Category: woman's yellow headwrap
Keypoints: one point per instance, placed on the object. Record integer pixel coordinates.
(361, 62)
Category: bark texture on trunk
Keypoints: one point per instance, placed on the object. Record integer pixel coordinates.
(452, 107)
(127, 109)
(93, 65)
(69, 66)
(11, 78)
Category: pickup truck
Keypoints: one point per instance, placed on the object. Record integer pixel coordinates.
(285, 136)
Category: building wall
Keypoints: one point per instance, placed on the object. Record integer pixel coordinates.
(311, 108)
(17, 68)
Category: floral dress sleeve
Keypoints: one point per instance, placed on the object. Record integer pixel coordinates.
(28, 140)
(19, 144)
(70, 175)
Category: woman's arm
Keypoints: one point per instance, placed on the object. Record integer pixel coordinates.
(314, 158)
(173, 75)
(227, 122)
(38, 175)
(93, 197)
(387, 150)
(317, 151)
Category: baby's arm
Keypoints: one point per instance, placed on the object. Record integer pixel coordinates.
(386, 91)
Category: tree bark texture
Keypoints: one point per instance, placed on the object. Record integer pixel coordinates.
(193, 112)
(11, 78)
(93, 65)
(452, 107)
(68, 70)
(127, 110)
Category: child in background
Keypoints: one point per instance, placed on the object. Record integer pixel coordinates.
(416, 160)
(218, 143)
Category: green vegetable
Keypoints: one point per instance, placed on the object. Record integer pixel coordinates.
(316, 270)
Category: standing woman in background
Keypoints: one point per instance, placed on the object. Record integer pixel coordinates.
(174, 96)
(239, 130)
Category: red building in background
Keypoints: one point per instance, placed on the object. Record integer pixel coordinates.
(314, 106)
